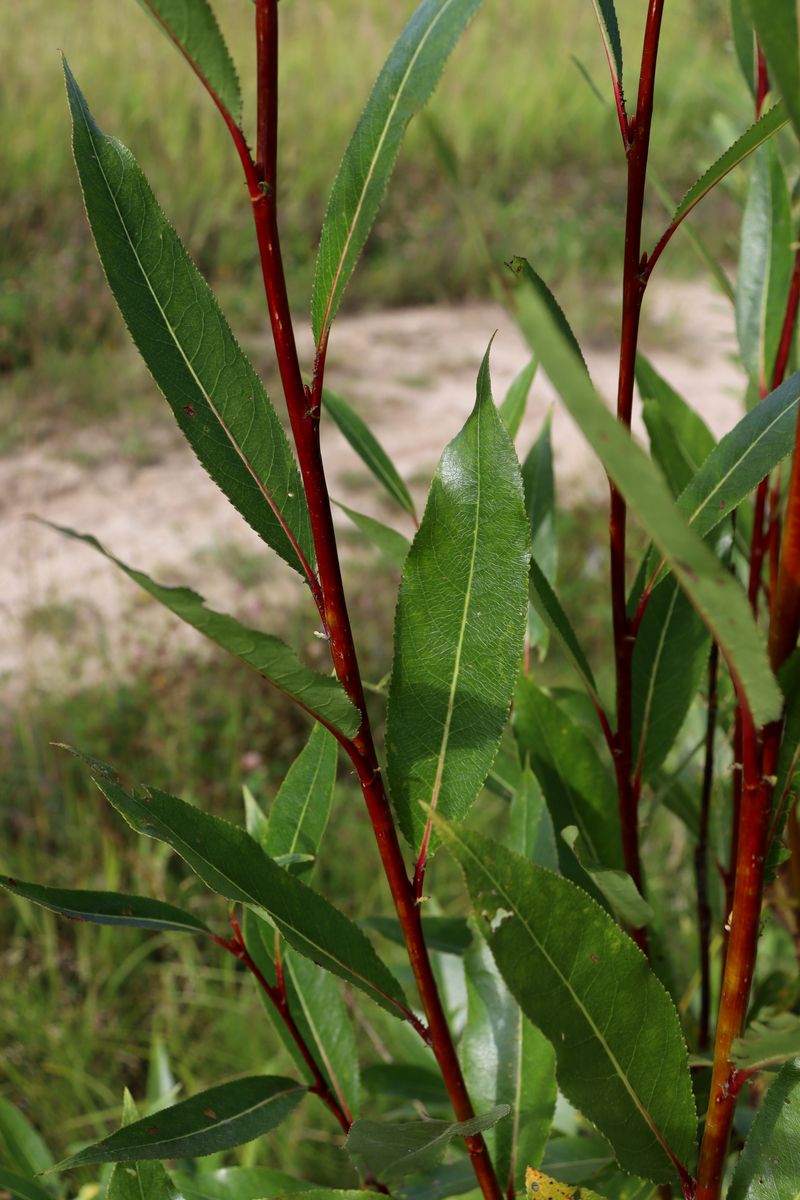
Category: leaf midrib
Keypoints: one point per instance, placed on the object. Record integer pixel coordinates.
(638, 1103)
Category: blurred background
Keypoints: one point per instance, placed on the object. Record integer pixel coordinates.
(519, 155)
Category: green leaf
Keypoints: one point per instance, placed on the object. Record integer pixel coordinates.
(218, 1119)
(609, 27)
(255, 818)
(106, 908)
(742, 458)
(392, 1149)
(715, 594)
(547, 604)
(506, 1060)
(230, 862)
(25, 1150)
(460, 624)
(769, 1165)
(789, 754)
(173, 317)
(368, 449)
(236, 1183)
(768, 1043)
(300, 811)
(393, 545)
(512, 410)
(320, 695)
(680, 440)
(621, 1058)
(18, 1187)
(162, 1087)
(776, 28)
(445, 935)
(622, 894)
(530, 826)
(577, 786)
(763, 129)
(765, 266)
(449, 1179)
(132, 1180)
(744, 42)
(192, 27)
(326, 1025)
(669, 657)
(576, 1159)
(405, 1081)
(403, 87)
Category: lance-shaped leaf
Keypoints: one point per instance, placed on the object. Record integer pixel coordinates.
(135, 1180)
(448, 1179)
(715, 594)
(175, 321)
(403, 87)
(460, 624)
(106, 908)
(742, 458)
(392, 1149)
(548, 606)
(217, 1119)
(25, 1149)
(621, 1057)
(768, 1043)
(765, 266)
(300, 811)
(680, 440)
(769, 1165)
(669, 656)
(368, 448)
(540, 504)
(320, 695)
(512, 410)
(446, 935)
(506, 1060)
(763, 129)
(406, 1081)
(236, 1183)
(775, 24)
(577, 786)
(393, 546)
(622, 894)
(744, 42)
(192, 27)
(230, 862)
(530, 826)
(609, 27)
(19, 1187)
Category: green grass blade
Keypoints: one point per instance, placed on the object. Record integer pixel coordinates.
(763, 129)
(320, 695)
(214, 1120)
(712, 590)
(192, 27)
(217, 398)
(460, 624)
(231, 863)
(741, 459)
(368, 448)
(106, 908)
(621, 1057)
(404, 86)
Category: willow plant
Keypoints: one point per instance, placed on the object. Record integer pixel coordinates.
(579, 998)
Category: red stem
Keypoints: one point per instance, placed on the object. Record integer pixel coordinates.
(762, 80)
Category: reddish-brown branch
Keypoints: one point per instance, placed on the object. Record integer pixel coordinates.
(762, 81)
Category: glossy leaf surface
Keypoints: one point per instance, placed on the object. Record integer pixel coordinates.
(392, 1149)
(320, 695)
(230, 862)
(624, 898)
(459, 625)
(368, 448)
(405, 84)
(530, 826)
(621, 1058)
(506, 1060)
(769, 1165)
(217, 1119)
(299, 814)
(717, 597)
(173, 317)
(192, 27)
(106, 908)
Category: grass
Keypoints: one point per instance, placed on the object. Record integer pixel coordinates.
(540, 165)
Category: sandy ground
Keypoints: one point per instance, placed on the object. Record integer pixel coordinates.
(66, 612)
